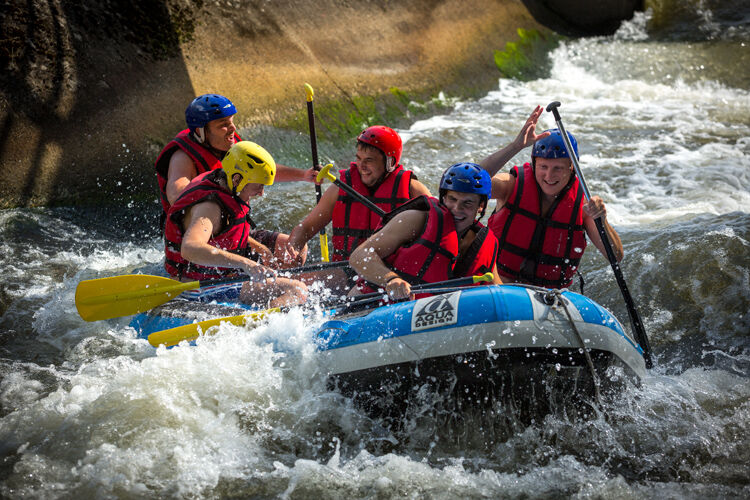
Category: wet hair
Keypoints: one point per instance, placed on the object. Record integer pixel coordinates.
(370, 147)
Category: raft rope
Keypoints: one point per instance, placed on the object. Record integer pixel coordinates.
(580, 281)
(594, 377)
(551, 296)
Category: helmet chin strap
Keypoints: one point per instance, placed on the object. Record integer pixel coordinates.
(201, 138)
(386, 172)
(389, 164)
(199, 135)
(236, 195)
(483, 210)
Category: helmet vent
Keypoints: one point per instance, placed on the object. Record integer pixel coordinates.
(255, 160)
(206, 108)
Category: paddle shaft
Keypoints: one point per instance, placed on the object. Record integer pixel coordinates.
(294, 270)
(361, 301)
(364, 298)
(635, 319)
(316, 162)
(363, 199)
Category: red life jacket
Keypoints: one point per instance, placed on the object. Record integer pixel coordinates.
(236, 226)
(352, 221)
(542, 251)
(431, 256)
(203, 159)
(481, 255)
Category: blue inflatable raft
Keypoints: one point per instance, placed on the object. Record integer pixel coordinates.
(526, 346)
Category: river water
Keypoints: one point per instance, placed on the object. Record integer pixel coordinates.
(661, 116)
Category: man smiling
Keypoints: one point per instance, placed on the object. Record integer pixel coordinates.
(542, 218)
(376, 174)
(428, 240)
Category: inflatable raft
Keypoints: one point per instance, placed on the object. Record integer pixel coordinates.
(526, 346)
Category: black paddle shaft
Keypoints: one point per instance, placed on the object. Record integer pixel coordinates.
(635, 319)
(314, 149)
(376, 296)
(363, 199)
(294, 270)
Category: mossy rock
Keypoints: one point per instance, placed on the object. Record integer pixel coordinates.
(527, 59)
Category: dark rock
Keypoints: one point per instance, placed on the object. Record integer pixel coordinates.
(583, 17)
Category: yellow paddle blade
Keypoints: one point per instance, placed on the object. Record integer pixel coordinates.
(174, 336)
(106, 298)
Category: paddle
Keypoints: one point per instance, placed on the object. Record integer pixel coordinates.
(314, 148)
(106, 298)
(325, 174)
(174, 336)
(635, 319)
(463, 281)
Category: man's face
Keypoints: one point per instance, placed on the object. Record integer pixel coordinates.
(220, 133)
(251, 190)
(552, 174)
(464, 207)
(371, 165)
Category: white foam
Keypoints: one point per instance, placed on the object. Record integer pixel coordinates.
(637, 136)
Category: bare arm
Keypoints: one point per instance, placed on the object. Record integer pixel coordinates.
(502, 188)
(526, 137)
(265, 253)
(416, 188)
(181, 171)
(496, 279)
(367, 259)
(291, 174)
(593, 209)
(201, 221)
(317, 219)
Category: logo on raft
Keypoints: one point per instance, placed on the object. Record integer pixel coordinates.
(432, 312)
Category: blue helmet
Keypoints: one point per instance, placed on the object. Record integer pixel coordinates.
(206, 108)
(553, 146)
(467, 178)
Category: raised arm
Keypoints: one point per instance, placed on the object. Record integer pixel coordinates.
(526, 137)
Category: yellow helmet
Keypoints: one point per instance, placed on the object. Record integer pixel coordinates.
(252, 162)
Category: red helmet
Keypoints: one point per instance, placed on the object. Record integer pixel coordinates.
(386, 140)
